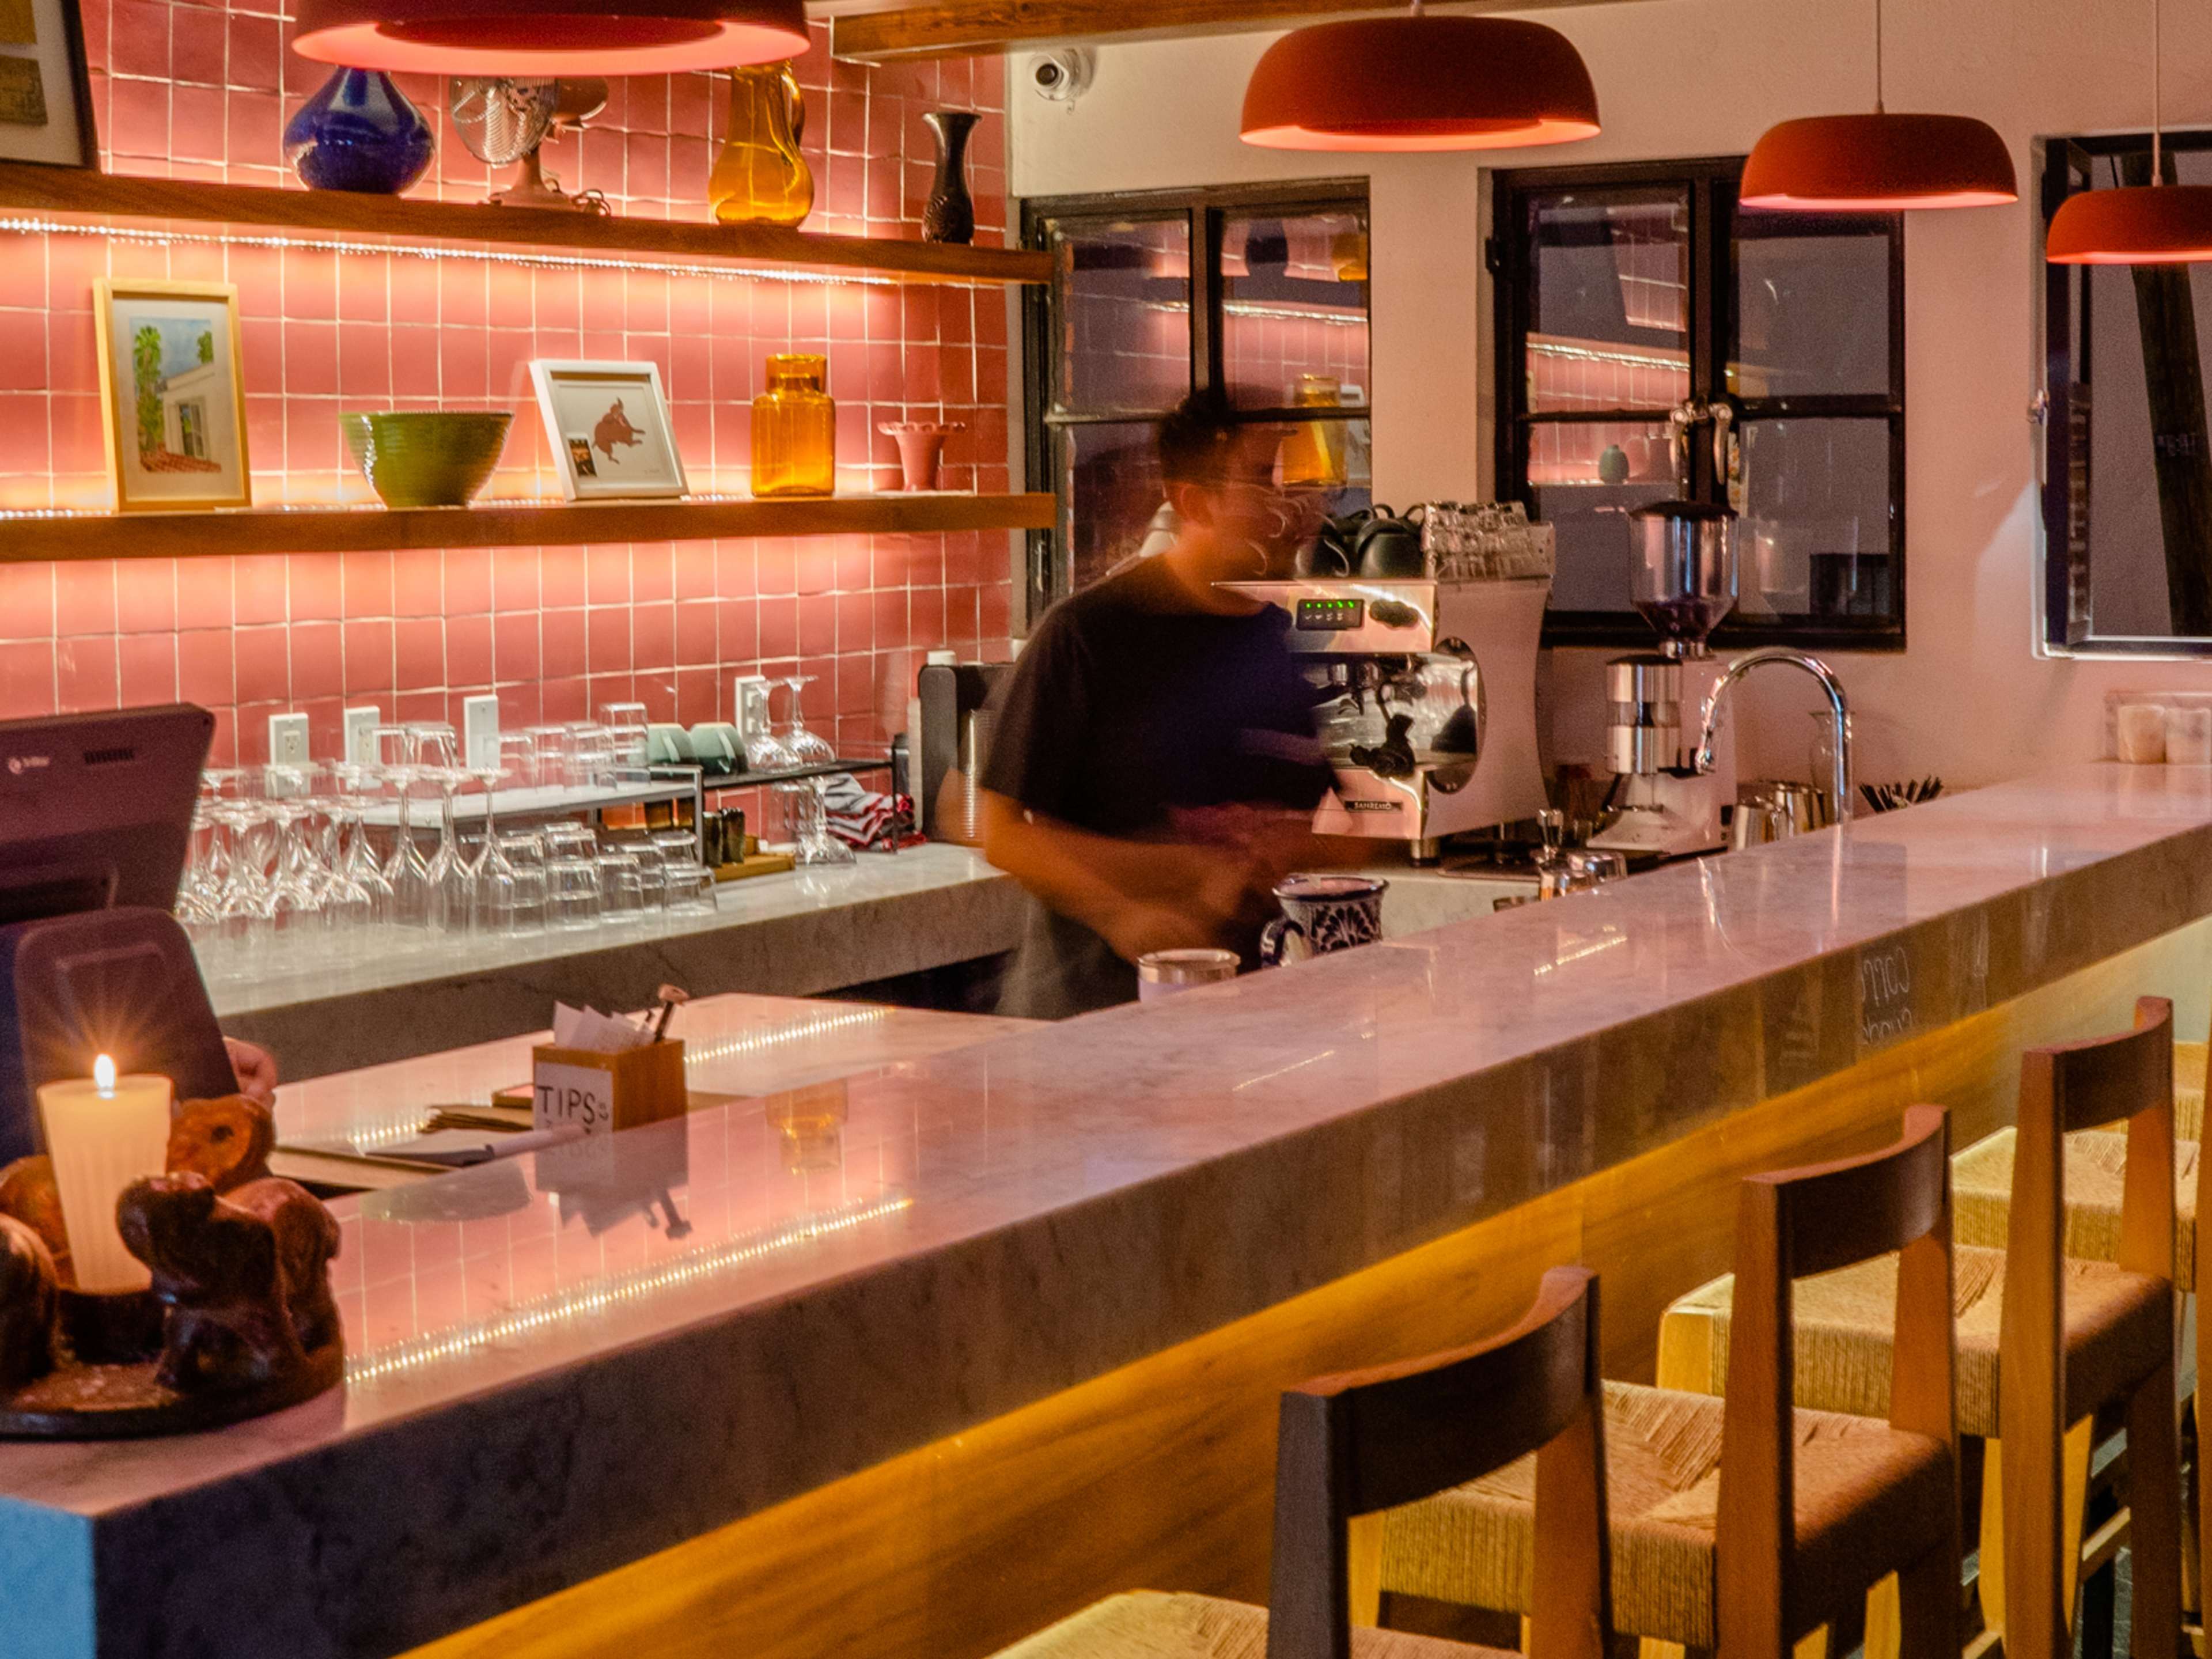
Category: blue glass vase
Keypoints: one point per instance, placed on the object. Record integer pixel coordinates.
(359, 133)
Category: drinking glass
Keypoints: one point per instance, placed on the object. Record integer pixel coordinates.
(591, 756)
(551, 746)
(293, 901)
(357, 862)
(690, 889)
(627, 723)
(521, 896)
(622, 886)
(453, 877)
(517, 760)
(572, 893)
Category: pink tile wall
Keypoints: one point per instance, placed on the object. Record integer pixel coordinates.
(203, 91)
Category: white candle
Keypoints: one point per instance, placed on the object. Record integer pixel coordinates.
(2189, 737)
(104, 1132)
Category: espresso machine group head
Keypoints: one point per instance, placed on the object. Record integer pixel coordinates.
(1683, 567)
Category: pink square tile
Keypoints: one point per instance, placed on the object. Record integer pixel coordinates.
(368, 663)
(318, 660)
(560, 643)
(468, 651)
(696, 630)
(364, 584)
(27, 678)
(514, 648)
(85, 672)
(653, 636)
(265, 669)
(26, 601)
(563, 578)
(147, 669)
(84, 597)
(419, 645)
(258, 587)
(609, 644)
(418, 582)
(779, 627)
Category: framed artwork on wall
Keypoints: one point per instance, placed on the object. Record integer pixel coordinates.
(172, 394)
(609, 426)
(46, 97)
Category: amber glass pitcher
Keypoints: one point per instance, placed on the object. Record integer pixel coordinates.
(760, 176)
(1313, 455)
(795, 430)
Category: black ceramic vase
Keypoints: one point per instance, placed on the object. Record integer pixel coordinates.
(949, 216)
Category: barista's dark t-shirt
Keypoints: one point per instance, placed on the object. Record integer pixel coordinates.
(1123, 705)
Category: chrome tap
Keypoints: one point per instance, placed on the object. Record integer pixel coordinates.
(1840, 783)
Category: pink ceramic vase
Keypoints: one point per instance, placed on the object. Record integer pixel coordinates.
(921, 447)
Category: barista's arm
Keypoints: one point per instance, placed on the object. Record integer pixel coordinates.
(1137, 896)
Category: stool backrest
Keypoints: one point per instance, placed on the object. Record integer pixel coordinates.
(2064, 1087)
(1363, 1441)
(1791, 1223)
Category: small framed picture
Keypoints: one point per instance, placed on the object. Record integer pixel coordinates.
(172, 394)
(608, 424)
(45, 96)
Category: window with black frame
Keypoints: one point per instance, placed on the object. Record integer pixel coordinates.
(2127, 466)
(1656, 341)
(1262, 292)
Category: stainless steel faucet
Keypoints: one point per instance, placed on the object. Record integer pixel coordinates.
(1839, 788)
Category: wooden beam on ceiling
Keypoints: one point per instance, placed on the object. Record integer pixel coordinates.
(975, 28)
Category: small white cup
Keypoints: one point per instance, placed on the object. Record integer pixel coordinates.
(2142, 733)
(2189, 737)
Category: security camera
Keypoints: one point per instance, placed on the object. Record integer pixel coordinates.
(1063, 76)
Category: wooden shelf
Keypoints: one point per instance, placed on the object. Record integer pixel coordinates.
(32, 537)
(25, 187)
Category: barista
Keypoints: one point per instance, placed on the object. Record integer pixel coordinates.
(1154, 769)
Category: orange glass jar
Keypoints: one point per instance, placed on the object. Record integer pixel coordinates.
(795, 430)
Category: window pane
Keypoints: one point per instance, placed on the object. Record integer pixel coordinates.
(1607, 297)
(1815, 536)
(1109, 483)
(1294, 309)
(1812, 309)
(1121, 307)
(1584, 478)
(2138, 453)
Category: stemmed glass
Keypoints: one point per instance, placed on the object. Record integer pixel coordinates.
(806, 749)
(355, 896)
(765, 750)
(406, 872)
(293, 901)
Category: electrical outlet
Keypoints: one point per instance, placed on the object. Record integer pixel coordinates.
(361, 725)
(480, 731)
(287, 740)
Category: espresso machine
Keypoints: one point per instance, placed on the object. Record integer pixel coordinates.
(1428, 701)
(1683, 567)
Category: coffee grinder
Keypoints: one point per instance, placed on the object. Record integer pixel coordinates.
(1683, 567)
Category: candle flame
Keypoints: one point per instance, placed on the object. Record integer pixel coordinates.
(103, 1075)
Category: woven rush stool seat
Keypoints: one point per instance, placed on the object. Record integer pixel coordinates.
(1844, 1348)
(1870, 1499)
(2096, 1167)
(1351, 1447)
(1149, 1624)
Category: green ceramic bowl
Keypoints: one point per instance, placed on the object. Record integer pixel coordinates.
(429, 457)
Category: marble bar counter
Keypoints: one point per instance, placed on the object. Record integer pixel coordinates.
(798, 933)
(559, 1366)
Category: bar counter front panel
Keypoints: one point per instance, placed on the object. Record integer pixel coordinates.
(1015, 1348)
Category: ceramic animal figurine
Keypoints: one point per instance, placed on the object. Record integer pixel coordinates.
(228, 1139)
(30, 1294)
(239, 1278)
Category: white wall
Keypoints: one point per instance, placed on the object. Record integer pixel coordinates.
(1969, 699)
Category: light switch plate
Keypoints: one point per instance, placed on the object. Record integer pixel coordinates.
(361, 725)
(287, 740)
(480, 731)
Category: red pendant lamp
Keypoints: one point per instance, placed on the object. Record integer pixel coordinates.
(533, 38)
(1878, 162)
(1418, 83)
(2152, 224)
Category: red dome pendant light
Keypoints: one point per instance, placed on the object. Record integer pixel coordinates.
(1418, 83)
(1878, 162)
(2152, 224)
(542, 38)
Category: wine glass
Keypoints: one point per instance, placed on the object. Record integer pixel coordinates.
(765, 750)
(407, 872)
(806, 749)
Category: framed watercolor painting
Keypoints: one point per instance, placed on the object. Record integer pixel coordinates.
(609, 426)
(172, 395)
(45, 96)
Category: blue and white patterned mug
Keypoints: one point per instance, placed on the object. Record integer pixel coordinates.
(1323, 913)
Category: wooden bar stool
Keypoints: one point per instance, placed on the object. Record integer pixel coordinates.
(2045, 1341)
(1352, 1444)
(1745, 1524)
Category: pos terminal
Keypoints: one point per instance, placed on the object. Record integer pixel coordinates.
(96, 821)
